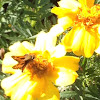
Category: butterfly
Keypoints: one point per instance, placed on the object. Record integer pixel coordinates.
(23, 61)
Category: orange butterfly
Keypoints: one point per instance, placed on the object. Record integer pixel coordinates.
(23, 61)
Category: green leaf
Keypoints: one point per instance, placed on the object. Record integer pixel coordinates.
(0, 61)
(97, 2)
(28, 3)
(2, 75)
(91, 97)
(68, 94)
(1, 97)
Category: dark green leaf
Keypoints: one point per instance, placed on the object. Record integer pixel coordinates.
(68, 94)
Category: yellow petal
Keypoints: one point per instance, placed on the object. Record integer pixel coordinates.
(73, 43)
(53, 75)
(18, 48)
(28, 46)
(50, 42)
(37, 88)
(99, 30)
(65, 16)
(40, 41)
(98, 49)
(89, 44)
(58, 51)
(20, 87)
(68, 62)
(61, 12)
(88, 3)
(8, 83)
(70, 4)
(29, 97)
(45, 42)
(8, 63)
(67, 42)
(65, 22)
(66, 77)
(46, 55)
(54, 30)
(20, 90)
(51, 92)
(84, 43)
(77, 41)
(44, 90)
(17, 86)
(81, 42)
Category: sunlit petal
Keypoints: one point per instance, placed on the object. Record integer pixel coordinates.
(28, 46)
(68, 62)
(77, 41)
(88, 3)
(44, 42)
(50, 42)
(40, 44)
(66, 77)
(18, 48)
(9, 82)
(70, 4)
(58, 51)
(65, 22)
(81, 42)
(8, 63)
(21, 93)
(54, 30)
(51, 93)
(61, 12)
(98, 49)
(89, 44)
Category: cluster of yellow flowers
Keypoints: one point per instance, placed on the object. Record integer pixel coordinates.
(36, 68)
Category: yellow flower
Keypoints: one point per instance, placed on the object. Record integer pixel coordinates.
(84, 16)
(36, 68)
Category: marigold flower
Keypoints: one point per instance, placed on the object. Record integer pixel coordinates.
(84, 16)
(36, 68)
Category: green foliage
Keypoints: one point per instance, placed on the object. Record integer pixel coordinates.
(67, 94)
(23, 19)
(2, 95)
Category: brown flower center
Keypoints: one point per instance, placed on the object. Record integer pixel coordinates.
(36, 64)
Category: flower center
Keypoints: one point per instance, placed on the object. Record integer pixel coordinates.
(88, 16)
(35, 64)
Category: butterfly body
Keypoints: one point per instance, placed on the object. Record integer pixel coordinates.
(23, 61)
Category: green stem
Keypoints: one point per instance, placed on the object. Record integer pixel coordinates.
(84, 63)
